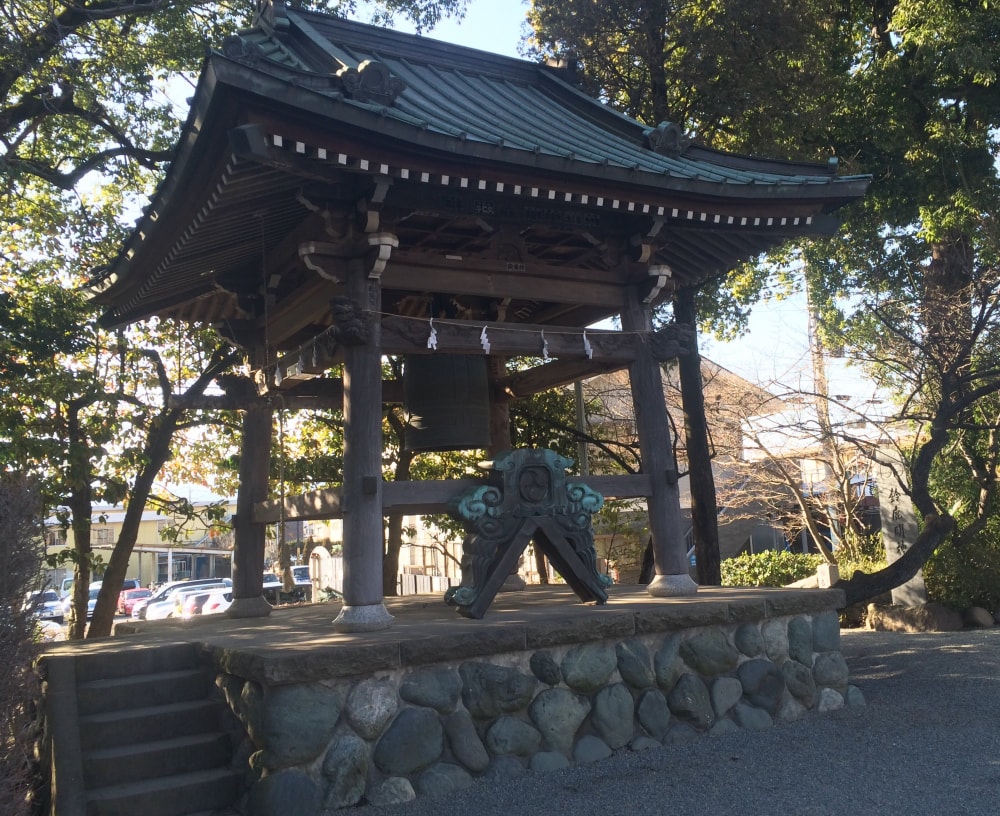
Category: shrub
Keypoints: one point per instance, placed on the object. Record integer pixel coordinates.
(773, 568)
(966, 575)
(20, 563)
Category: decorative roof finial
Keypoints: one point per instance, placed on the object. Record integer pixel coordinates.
(371, 81)
(668, 139)
(271, 14)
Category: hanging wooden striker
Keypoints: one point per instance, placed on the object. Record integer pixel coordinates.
(447, 401)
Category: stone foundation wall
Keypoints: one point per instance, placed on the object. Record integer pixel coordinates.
(391, 735)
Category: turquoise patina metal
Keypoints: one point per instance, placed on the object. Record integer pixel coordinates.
(526, 497)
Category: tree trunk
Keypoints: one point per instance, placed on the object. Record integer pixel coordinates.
(394, 526)
(390, 562)
(81, 506)
(155, 454)
(863, 586)
(949, 342)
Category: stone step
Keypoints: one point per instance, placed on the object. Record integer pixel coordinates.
(117, 728)
(104, 664)
(143, 690)
(124, 764)
(168, 796)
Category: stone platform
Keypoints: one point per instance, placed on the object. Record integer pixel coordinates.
(543, 681)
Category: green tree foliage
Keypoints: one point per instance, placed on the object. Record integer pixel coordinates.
(89, 116)
(923, 251)
(84, 86)
(753, 76)
(905, 90)
(724, 70)
(92, 417)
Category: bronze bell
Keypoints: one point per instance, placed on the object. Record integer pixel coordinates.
(447, 402)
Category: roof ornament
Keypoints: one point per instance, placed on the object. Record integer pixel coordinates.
(371, 81)
(272, 14)
(668, 139)
(240, 50)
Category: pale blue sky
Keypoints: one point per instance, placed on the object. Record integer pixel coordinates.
(490, 25)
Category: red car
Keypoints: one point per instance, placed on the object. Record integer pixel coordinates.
(127, 598)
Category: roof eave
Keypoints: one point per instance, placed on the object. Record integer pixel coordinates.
(383, 129)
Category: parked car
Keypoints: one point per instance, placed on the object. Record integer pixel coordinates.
(217, 603)
(45, 605)
(203, 602)
(95, 589)
(161, 605)
(161, 592)
(128, 598)
(65, 587)
(274, 587)
(301, 575)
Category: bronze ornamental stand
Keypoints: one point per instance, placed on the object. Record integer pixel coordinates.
(526, 497)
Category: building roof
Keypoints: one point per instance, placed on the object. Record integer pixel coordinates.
(491, 107)
(500, 179)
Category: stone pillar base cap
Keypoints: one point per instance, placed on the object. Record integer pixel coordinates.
(672, 586)
(249, 608)
(367, 618)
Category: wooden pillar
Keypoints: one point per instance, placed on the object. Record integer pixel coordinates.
(499, 442)
(656, 448)
(249, 537)
(704, 506)
(499, 408)
(364, 608)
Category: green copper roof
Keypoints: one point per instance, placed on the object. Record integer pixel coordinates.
(474, 102)
(306, 111)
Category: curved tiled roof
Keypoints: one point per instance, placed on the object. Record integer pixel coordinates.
(467, 96)
(329, 106)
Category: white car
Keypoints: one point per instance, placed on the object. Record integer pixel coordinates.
(164, 590)
(194, 602)
(163, 603)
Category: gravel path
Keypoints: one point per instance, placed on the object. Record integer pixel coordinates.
(926, 744)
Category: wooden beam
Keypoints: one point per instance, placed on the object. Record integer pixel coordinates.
(353, 325)
(500, 280)
(311, 395)
(579, 353)
(555, 375)
(424, 497)
(362, 488)
(250, 534)
(404, 335)
(306, 363)
(307, 304)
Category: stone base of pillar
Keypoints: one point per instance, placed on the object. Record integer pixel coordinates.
(513, 583)
(249, 608)
(367, 618)
(672, 586)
